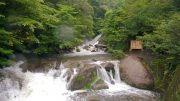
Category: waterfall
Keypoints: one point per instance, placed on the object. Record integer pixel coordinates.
(111, 76)
(90, 48)
(55, 84)
(94, 41)
(116, 68)
(104, 74)
(61, 66)
(69, 83)
(34, 86)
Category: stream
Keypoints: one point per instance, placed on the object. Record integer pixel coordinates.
(33, 78)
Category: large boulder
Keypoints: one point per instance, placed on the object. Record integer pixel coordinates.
(99, 84)
(108, 66)
(84, 79)
(135, 74)
(100, 46)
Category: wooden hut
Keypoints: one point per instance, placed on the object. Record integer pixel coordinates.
(135, 44)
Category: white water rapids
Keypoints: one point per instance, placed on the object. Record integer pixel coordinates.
(16, 85)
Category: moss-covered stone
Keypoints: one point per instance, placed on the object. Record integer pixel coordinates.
(84, 79)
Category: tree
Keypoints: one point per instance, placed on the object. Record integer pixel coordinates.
(166, 39)
(6, 42)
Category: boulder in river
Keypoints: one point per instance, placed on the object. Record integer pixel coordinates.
(84, 79)
(135, 74)
(93, 50)
(108, 66)
(100, 46)
(90, 45)
(99, 84)
(86, 47)
(78, 50)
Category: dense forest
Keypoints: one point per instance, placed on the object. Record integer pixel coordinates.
(155, 22)
(46, 26)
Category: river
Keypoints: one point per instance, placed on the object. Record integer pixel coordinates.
(33, 78)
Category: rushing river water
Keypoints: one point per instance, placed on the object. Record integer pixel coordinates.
(18, 84)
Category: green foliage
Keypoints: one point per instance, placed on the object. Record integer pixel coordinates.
(94, 73)
(178, 95)
(6, 43)
(80, 79)
(173, 90)
(156, 22)
(90, 81)
(77, 49)
(40, 26)
(113, 74)
(78, 64)
(132, 18)
(165, 40)
(100, 7)
(161, 73)
(118, 54)
(101, 82)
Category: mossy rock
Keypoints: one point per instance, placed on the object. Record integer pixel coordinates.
(84, 79)
(99, 84)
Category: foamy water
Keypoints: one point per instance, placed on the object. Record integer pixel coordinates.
(53, 86)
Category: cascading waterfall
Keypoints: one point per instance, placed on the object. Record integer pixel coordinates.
(104, 73)
(53, 86)
(69, 83)
(34, 86)
(16, 85)
(91, 47)
(116, 68)
(94, 41)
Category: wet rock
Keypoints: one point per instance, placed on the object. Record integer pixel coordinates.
(93, 100)
(90, 45)
(108, 66)
(71, 47)
(86, 47)
(99, 84)
(135, 74)
(95, 59)
(112, 82)
(69, 74)
(78, 50)
(100, 46)
(84, 78)
(67, 50)
(61, 51)
(93, 50)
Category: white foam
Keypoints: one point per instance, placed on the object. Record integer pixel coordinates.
(53, 86)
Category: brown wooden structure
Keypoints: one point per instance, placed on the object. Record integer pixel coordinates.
(135, 44)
